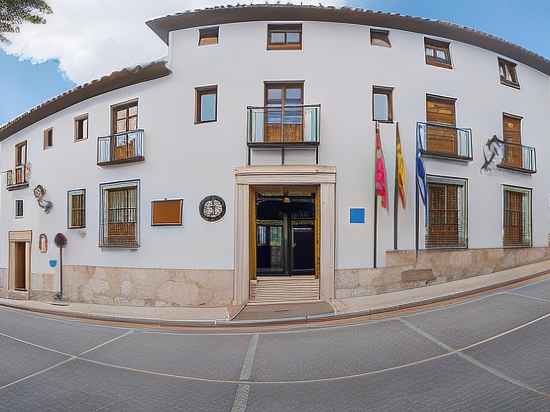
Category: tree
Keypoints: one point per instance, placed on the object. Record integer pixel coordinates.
(13, 13)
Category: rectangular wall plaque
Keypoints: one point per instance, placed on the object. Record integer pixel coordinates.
(357, 215)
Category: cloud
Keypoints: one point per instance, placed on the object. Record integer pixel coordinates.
(91, 38)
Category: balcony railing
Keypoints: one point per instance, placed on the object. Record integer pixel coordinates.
(519, 158)
(17, 178)
(284, 127)
(445, 141)
(120, 148)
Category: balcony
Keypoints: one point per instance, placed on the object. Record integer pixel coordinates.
(282, 128)
(519, 158)
(120, 148)
(445, 141)
(17, 178)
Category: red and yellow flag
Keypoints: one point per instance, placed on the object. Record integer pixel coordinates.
(381, 186)
(400, 169)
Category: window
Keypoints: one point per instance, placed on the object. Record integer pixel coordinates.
(119, 215)
(508, 73)
(48, 138)
(380, 38)
(284, 36)
(441, 130)
(284, 117)
(20, 164)
(513, 151)
(437, 53)
(76, 209)
(19, 208)
(206, 104)
(208, 36)
(166, 212)
(382, 105)
(517, 217)
(125, 117)
(447, 223)
(81, 128)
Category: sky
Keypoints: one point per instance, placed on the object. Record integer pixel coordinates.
(85, 39)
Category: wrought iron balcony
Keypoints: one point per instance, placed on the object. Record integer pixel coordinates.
(283, 127)
(17, 178)
(445, 141)
(519, 158)
(120, 148)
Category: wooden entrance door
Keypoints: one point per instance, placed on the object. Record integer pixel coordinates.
(20, 261)
(442, 139)
(512, 135)
(284, 113)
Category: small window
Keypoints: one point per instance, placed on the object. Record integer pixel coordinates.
(508, 73)
(517, 217)
(208, 36)
(166, 212)
(77, 209)
(125, 117)
(437, 53)
(447, 223)
(48, 138)
(81, 128)
(19, 208)
(206, 104)
(284, 36)
(380, 38)
(382, 105)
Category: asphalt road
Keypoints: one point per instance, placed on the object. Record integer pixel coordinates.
(487, 353)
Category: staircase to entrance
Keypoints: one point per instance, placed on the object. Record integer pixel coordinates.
(269, 289)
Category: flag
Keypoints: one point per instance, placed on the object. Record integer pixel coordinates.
(421, 172)
(381, 186)
(401, 170)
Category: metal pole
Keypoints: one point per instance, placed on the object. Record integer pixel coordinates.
(395, 196)
(375, 228)
(416, 187)
(60, 273)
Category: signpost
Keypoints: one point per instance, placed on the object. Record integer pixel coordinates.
(60, 241)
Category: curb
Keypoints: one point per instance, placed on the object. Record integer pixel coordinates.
(276, 321)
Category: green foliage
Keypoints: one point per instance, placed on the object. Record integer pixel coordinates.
(13, 13)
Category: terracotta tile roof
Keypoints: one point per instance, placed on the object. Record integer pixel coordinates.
(287, 12)
(113, 81)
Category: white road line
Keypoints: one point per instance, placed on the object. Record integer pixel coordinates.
(529, 297)
(473, 361)
(305, 381)
(106, 343)
(40, 372)
(534, 283)
(243, 390)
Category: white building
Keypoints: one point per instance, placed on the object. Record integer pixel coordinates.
(242, 168)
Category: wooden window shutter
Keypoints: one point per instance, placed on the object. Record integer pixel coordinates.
(513, 155)
(441, 111)
(166, 212)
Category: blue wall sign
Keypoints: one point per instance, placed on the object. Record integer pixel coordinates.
(53, 263)
(357, 215)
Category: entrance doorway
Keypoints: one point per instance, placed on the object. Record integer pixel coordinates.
(20, 269)
(285, 231)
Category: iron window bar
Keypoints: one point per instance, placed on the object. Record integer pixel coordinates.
(459, 141)
(120, 148)
(282, 127)
(519, 158)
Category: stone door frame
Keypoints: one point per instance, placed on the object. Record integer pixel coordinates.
(22, 236)
(322, 176)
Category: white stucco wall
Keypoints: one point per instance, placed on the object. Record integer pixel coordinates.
(339, 67)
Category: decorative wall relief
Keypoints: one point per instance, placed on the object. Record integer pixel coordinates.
(39, 193)
(43, 243)
(212, 208)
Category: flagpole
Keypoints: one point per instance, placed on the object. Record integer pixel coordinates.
(395, 195)
(374, 252)
(416, 196)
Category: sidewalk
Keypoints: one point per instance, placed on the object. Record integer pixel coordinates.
(222, 316)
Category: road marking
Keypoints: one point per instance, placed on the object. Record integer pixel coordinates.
(40, 372)
(243, 390)
(107, 342)
(529, 297)
(472, 360)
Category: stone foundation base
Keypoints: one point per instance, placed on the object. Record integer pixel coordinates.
(3, 278)
(433, 266)
(147, 287)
